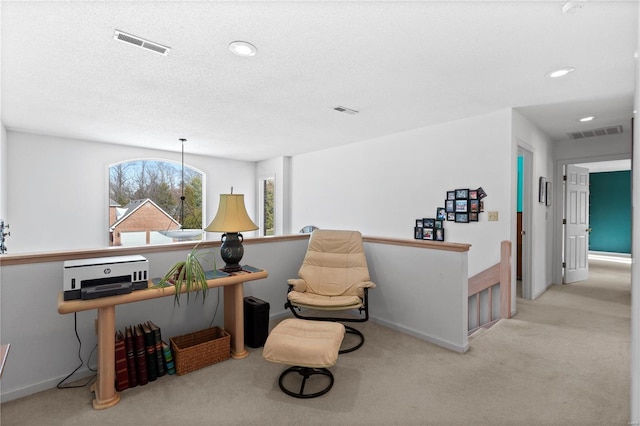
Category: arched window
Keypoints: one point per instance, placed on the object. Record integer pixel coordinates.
(146, 204)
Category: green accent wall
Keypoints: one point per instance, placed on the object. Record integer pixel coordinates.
(610, 211)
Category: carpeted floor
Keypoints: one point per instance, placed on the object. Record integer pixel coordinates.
(562, 360)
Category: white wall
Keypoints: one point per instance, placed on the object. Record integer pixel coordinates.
(3, 165)
(614, 146)
(381, 186)
(428, 301)
(57, 196)
(527, 135)
(3, 172)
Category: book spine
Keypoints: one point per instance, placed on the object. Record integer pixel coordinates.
(131, 357)
(141, 355)
(157, 334)
(168, 358)
(122, 373)
(150, 344)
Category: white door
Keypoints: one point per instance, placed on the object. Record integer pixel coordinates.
(576, 240)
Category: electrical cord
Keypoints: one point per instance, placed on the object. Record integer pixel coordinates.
(215, 312)
(60, 383)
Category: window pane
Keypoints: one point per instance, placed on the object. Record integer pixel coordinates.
(145, 203)
(268, 211)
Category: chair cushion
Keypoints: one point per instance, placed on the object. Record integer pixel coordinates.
(319, 301)
(304, 343)
(335, 263)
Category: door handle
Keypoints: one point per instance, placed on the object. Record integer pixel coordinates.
(522, 233)
(588, 230)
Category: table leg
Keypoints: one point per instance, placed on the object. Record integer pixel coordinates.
(234, 319)
(104, 387)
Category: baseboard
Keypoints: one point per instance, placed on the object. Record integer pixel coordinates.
(538, 294)
(609, 254)
(80, 375)
(419, 335)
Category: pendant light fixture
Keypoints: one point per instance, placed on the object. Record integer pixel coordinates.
(182, 234)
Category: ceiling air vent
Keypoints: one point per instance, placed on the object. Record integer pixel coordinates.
(604, 131)
(345, 110)
(140, 42)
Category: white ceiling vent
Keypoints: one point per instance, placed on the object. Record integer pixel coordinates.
(604, 131)
(140, 42)
(345, 110)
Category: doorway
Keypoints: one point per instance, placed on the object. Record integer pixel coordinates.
(524, 231)
(595, 166)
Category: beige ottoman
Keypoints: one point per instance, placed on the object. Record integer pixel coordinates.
(309, 347)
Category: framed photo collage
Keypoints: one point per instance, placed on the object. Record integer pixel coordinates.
(460, 205)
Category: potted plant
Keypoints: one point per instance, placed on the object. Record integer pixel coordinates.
(188, 274)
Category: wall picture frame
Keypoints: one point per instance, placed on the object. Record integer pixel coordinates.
(462, 206)
(462, 194)
(473, 217)
(439, 235)
(462, 217)
(451, 216)
(549, 193)
(449, 206)
(481, 193)
(474, 206)
(451, 195)
(428, 222)
(439, 224)
(473, 194)
(417, 232)
(542, 190)
(418, 223)
(441, 213)
(427, 234)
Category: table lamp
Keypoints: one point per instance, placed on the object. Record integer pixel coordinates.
(231, 219)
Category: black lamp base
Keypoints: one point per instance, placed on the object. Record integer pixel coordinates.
(232, 251)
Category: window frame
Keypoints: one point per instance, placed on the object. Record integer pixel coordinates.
(179, 165)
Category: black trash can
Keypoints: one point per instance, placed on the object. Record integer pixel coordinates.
(256, 322)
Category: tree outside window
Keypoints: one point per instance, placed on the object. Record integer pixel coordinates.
(268, 194)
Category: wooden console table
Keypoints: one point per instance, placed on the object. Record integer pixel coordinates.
(104, 387)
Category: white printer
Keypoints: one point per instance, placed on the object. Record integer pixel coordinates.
(104, 276)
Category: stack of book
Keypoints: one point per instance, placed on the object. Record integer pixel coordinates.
(141, 356)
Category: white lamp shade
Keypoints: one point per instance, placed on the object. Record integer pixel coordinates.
(231, 216)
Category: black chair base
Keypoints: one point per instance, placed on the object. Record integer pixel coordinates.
(358, 333)
(306, 372)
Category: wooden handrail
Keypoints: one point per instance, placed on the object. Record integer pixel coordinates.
(500, 273)
(57, 256)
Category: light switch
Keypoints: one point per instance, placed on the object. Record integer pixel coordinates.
(493, 216)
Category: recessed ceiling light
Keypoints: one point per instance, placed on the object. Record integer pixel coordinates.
(589, 118)
(242, 48)
(561, 72)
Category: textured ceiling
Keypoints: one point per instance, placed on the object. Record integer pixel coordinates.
(402, 65)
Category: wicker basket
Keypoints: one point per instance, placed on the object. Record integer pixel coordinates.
(200, 349)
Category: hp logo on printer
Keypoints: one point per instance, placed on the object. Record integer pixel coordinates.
(107, 271)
